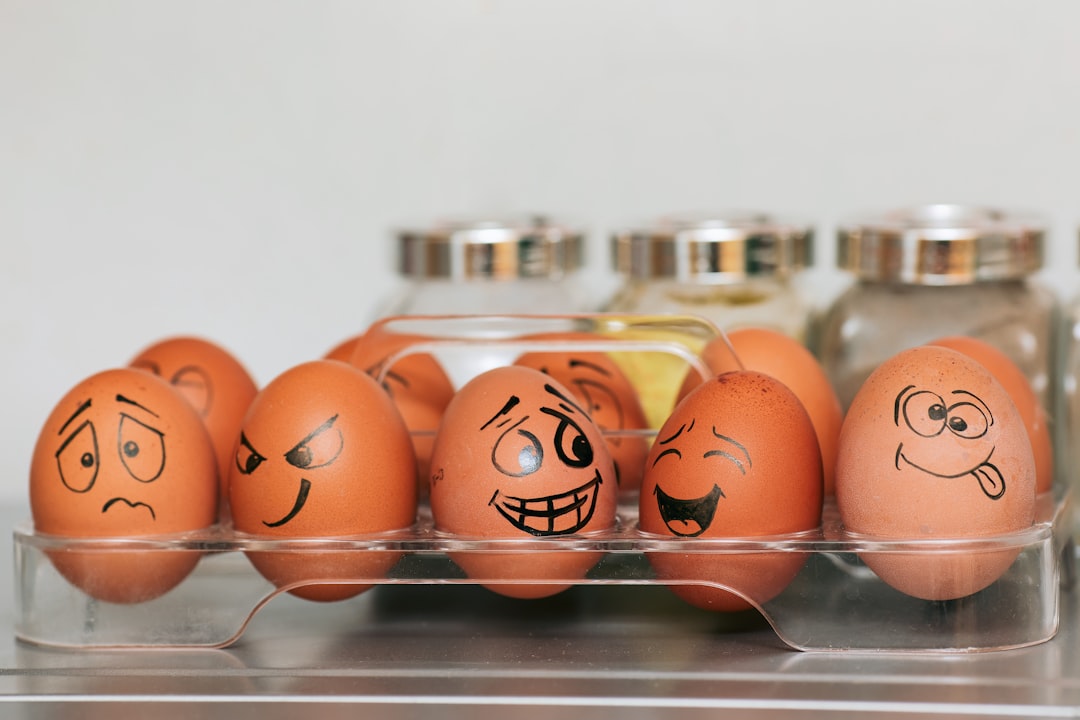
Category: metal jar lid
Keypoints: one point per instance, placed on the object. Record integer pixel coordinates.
(713, 249)
(531, 247)
(941, 245)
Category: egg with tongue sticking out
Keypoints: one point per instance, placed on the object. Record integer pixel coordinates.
(517, 458)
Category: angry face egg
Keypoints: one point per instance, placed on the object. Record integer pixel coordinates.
(123, 455)
(933, 448)
(737, 458)
(322, 452)
(517, 457)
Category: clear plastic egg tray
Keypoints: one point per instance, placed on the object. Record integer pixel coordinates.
(834, 603)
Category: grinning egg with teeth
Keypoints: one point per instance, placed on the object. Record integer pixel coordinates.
(737, 458)
(518, 457)
(322, 452)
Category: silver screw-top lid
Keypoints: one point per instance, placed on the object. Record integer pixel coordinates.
(530, 247)
(941, 245)
(713, 249)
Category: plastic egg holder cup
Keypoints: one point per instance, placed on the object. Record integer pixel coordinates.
(834, 603)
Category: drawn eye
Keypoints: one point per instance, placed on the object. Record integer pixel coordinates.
(517, 452)
(142, 449)
(571, 445)
(247, 459)
(318, 449)
(968, 420)
(925, 413)
(77, 459)
(194, 384)
(599, 398)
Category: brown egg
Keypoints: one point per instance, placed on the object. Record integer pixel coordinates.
(737, 458)
(1012, 378)
(517, 457)
(123, 455)
(933, 448)
(322, 453)
(787, 360)
(417, 383)
(605, 392)
(213, 381)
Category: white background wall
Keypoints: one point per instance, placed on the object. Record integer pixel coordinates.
(231, 168)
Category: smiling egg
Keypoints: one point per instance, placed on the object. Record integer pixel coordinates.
(123, 455)
(738, 458)
(517, 457)
(933, 448)
(322, 453)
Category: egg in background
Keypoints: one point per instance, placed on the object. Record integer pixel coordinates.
(416, 383)
(737, 458)
(933, 448)
(786, 359)
(123, 455)
(323, 452)
(606, 394)
(517, 457)
(1012, 378)
(213, 381)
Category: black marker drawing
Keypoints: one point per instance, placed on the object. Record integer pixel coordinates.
(690, 517)
(125, 501)
(928, 415)
(519, 452)
(562, 514)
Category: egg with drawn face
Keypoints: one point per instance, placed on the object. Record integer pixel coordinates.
(517, 457)
(322, 452)
(738, 457)
(933, 448)
(123, 455)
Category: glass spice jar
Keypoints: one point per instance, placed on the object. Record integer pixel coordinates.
(497, 266)
(931, 271)
(734, 269)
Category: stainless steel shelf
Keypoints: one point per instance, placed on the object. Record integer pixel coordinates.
(461, 651)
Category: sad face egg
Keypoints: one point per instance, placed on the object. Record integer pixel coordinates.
(933, 448)
(516, 457)
(123, 455)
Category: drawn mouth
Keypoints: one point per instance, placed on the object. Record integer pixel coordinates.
(298, 505)
(989, 477)
(688, 518)
(562, 514)
(125, 501)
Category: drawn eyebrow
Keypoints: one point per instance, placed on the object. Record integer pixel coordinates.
(129, 401)
(567, 401)
(977, 399)
(514, 400)
(74, 415)
(896, 405)
(677, 433)
(574, 362)
(729, 456)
